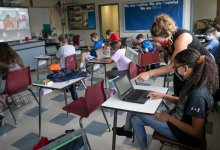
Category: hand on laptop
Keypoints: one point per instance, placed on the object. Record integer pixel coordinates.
(155, 95)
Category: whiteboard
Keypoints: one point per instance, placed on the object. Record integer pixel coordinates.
(38, 17)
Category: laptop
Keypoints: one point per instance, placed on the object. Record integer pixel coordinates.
(73, 141)
(101, 55)
(51, 50)
(127, 92)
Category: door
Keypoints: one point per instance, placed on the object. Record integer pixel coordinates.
(109, 19)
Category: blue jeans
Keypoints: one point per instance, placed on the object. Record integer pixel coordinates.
(73, 92)
(139, 121)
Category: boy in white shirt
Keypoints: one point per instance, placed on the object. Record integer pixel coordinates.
(64, 51)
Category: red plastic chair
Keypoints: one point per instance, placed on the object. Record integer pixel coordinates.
(84, 106)
(132, 70)
(70, 62)
(76, 40)
(17, 81)
(166, 141)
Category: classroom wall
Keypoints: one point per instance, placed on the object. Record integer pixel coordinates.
(204, 9)
(84, 35)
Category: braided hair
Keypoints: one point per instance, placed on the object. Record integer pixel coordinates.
(205, 71)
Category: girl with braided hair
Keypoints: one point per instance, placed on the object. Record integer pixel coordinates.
(186, 123)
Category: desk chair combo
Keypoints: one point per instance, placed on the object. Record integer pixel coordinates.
(84, 106)
(71, 64)
(18, 81)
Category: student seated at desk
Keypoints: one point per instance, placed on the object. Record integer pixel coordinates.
(144, 45)
(186, 123)
(91, 54)
(213, 43)
(112, 36)
(9, 61)
(64, 51)
(120, 59)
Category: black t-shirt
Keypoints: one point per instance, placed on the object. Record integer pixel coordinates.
(195, 44)
(196, 105)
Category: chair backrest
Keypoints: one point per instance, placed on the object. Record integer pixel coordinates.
(155, 57)
(70, 62)
(17, 80)
(95, 96)
(146, 59)
(132, 70)
(76, 39)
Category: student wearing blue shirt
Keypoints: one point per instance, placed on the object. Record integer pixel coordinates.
(213, 43)
(145, 45)
(91, 54)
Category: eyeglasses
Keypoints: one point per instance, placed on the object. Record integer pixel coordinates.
(177, 68)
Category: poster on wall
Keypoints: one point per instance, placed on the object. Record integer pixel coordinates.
(81, 17)
(140, 16)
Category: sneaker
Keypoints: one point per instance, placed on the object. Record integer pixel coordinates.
(96, 66)
(121, 132)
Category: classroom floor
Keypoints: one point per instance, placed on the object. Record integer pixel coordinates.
(54, 122)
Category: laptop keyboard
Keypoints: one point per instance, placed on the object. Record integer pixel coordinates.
(137, 94)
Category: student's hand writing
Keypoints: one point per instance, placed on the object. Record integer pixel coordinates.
(162, 116)
(156, 95)
(143, 76)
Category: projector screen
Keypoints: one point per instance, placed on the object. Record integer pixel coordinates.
(14, 24)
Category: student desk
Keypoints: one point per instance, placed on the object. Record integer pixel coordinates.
(43, 57)
(149, 107)
(57, 86)
(93, 62)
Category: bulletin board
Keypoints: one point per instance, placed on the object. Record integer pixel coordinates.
(140, 16)
(81, 17)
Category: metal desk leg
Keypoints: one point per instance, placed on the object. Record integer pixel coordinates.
(40, 97)
(65, 98)
(92, 73)
(105, 76)
(38, 69)
(114, 130)
(84, 85)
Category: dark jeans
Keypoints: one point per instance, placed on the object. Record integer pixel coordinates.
(73, 92)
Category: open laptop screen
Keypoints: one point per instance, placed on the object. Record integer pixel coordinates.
(51, 49)
(123, 84)
(71, 141)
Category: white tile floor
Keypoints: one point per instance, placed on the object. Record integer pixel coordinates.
(24, 134)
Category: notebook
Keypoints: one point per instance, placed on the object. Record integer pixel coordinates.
(51, 50)
(127, 92)
(73, 141)
(101, 55)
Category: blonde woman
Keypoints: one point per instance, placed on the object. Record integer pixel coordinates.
(173, 40)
